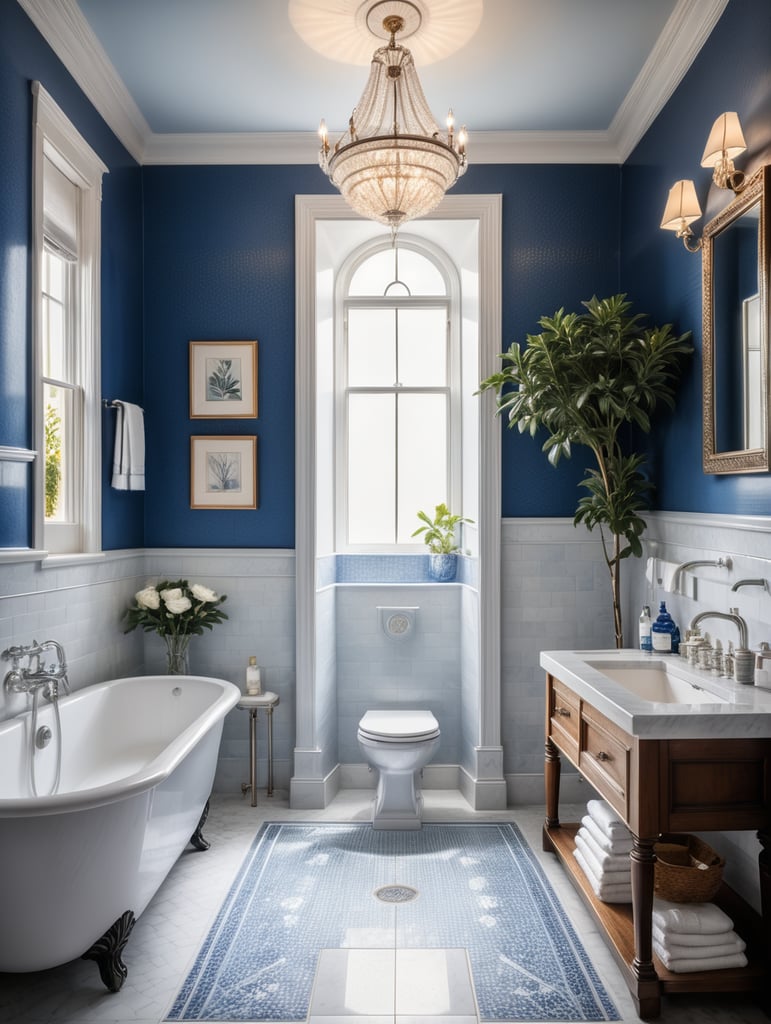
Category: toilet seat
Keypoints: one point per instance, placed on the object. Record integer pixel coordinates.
(398, 726)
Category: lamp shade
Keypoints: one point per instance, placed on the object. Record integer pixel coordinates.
(682, 206)
(725, 141)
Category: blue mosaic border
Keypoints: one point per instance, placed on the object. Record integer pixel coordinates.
(303, 887)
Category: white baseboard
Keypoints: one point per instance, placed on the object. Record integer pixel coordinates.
(314, 794)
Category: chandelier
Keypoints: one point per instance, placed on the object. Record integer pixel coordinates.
(393, 164)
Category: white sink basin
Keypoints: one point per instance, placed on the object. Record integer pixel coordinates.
(655, 683)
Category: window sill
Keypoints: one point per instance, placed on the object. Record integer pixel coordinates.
(10, 555)
(74, 558)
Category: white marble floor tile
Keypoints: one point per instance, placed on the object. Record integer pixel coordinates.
(435, 983)
(354, 982)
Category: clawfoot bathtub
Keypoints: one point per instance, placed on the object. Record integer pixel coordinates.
(138, 758)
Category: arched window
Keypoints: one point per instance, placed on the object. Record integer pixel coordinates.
(397, 390)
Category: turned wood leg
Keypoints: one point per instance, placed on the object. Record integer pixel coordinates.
(647, 996)
(551, 774)
(764, 864)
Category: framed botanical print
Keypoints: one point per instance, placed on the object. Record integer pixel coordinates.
(223, 380)
(223, 472)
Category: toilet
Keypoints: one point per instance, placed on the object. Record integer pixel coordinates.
(399, 744)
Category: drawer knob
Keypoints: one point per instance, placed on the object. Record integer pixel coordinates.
(602, 756)
(562, 711)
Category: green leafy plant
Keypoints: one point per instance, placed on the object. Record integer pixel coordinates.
(175, 608)
(53, 460)
(439, 532)
(582, 379)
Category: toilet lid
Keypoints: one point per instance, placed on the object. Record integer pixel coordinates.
(399, 725)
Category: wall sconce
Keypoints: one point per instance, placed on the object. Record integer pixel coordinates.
(725, 142)
(682, 209)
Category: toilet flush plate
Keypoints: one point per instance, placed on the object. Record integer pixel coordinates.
(397, 623)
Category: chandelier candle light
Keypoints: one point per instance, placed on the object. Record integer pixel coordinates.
(393, 164)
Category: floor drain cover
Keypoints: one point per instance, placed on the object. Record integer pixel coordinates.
(396, 893)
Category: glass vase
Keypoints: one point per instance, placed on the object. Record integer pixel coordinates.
(176, 654)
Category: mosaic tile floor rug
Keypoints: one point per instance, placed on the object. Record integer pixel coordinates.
(305, 887)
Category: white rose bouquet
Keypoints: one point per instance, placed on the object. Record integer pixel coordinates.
(175, 608)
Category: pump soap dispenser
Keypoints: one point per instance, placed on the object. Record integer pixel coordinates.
(253, 681)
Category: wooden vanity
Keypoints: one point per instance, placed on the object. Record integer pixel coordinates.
(661, 784)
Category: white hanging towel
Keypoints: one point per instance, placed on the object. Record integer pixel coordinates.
(128, 464)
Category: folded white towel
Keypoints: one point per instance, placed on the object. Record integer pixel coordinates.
(607, 861)
(608, 820)
(128, 464)
(616, 847)
(624, 876)
(683, 965)
(701, 918)
(605, 891)
(691, 939)
(736, 945)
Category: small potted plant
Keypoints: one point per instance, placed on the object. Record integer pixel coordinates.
(439, 536)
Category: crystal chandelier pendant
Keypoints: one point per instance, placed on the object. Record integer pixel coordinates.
(393, 164)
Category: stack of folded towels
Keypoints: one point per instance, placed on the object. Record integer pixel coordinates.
(695, 937)
(603, 844)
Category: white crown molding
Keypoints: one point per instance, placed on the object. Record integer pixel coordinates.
(68, 33)
(685, 33)
(303, 148)
(71, 38)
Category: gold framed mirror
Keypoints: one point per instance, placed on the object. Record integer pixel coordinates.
(735, 324)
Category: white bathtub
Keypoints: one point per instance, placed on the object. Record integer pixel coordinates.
(138, 762)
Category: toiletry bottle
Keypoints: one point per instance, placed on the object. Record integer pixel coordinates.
(645, 629)
(665, 636)
(253, 686)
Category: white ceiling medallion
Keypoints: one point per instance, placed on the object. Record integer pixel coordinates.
(346, 30)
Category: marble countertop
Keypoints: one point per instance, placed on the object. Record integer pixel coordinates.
(745, 711)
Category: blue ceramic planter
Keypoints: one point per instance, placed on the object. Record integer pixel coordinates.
(442, 568)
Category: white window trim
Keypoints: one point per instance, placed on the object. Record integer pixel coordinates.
(56, 138)
(451, 301)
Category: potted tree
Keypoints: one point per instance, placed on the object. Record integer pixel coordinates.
(583, 378)
(439, 536)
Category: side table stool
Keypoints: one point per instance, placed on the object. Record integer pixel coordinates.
(254, 703)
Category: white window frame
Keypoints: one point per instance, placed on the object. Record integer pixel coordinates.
(55, 138)
(343, 302)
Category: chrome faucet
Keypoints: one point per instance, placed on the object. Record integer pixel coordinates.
(36, 674)
(719, 563)
(743, 658)
(761, 582)
(731, 616)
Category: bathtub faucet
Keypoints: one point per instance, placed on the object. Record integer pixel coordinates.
(36, 674)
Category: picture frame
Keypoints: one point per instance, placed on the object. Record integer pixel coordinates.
(223, 472)
(223, 380)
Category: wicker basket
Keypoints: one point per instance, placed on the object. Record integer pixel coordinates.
(677, 875)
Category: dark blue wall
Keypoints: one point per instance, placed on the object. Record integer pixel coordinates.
(219, 264)
(210, 252)
(24, 57)
(732, 72)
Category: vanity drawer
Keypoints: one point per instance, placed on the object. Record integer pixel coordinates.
(564, 719)
(604, 759)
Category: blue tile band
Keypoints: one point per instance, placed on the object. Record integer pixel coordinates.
(305, 887)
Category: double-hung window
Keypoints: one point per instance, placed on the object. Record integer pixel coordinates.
(398, 369)
(67, 178)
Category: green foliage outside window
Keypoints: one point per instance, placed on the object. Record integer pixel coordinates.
(53, 465)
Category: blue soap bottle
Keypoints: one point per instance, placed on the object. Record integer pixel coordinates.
(665, 636)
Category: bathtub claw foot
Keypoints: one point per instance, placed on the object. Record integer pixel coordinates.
(196, 839)
(107, 952)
